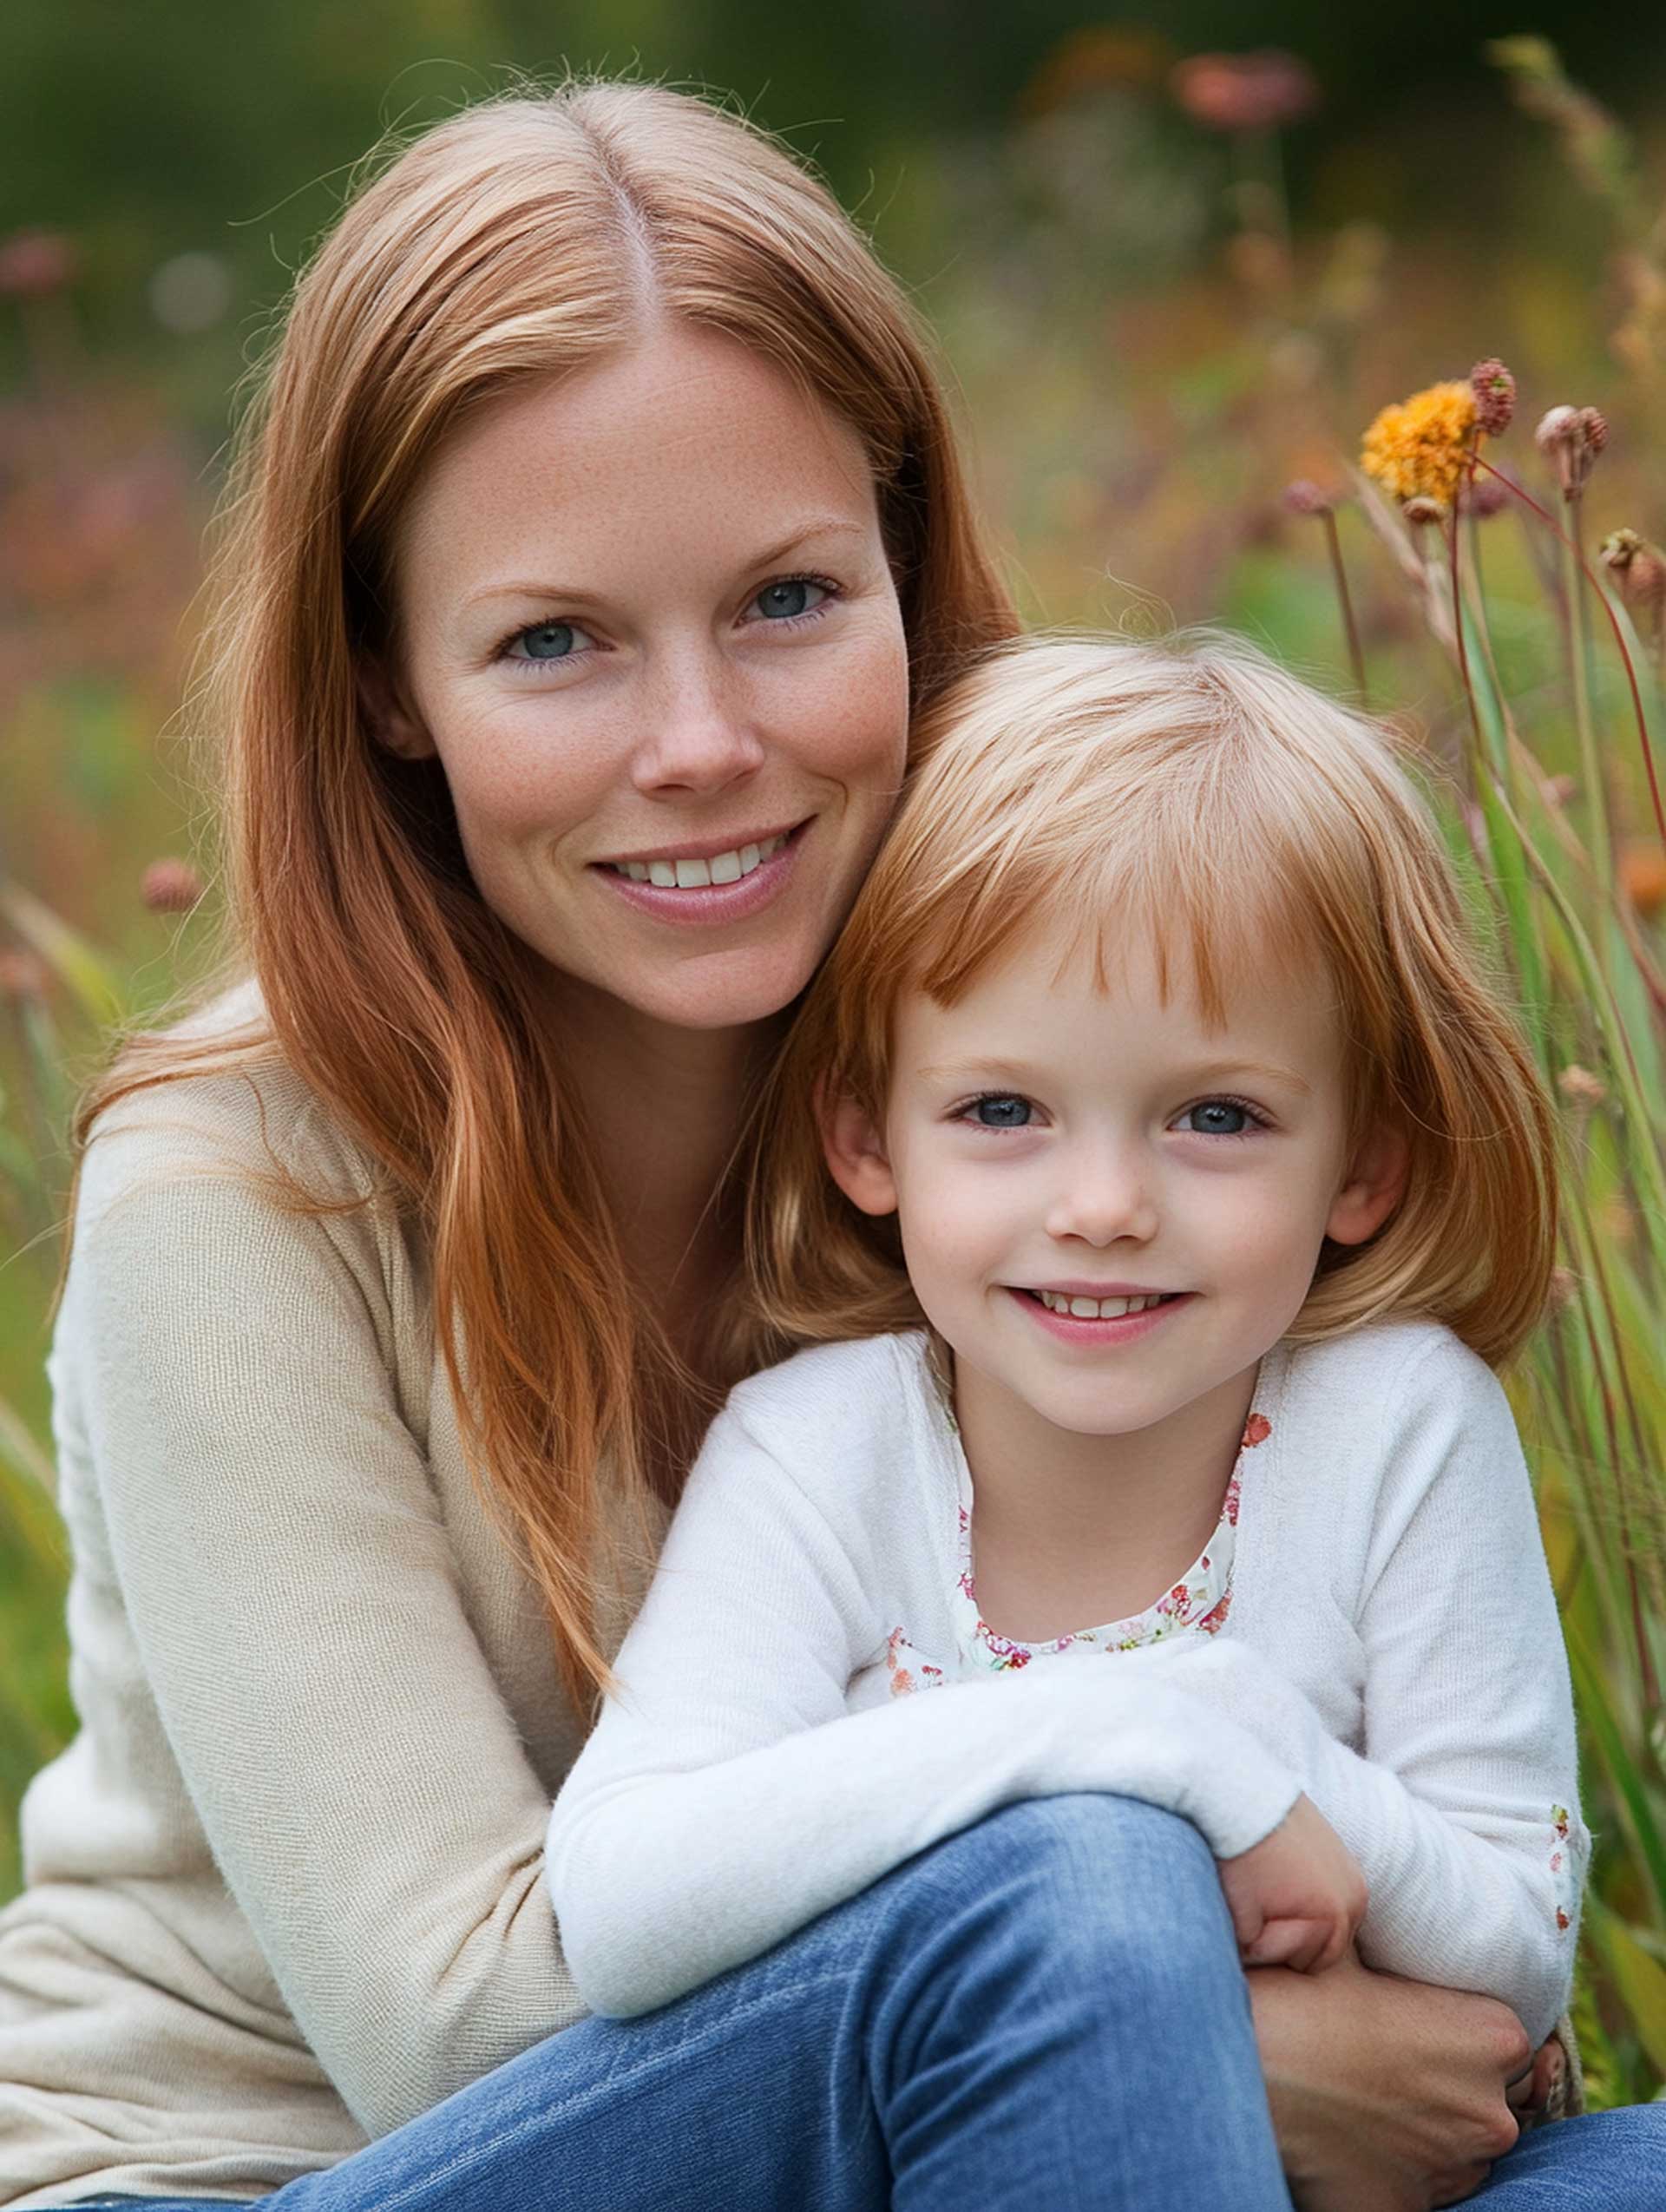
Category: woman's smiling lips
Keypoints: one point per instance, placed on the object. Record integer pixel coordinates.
(752, 871)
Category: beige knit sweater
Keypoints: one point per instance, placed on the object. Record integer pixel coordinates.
(286, 1887)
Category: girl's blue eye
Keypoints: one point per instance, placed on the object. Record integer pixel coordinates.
(1001, 1112)
(547, 640)
(780, 602)
(1211, 1124)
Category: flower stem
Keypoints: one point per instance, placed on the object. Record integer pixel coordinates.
(1356, 657)
(1573, 573)
(1527, 499)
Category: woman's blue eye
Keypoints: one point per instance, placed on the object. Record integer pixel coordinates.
(780, 602)
(1210, 1123)
(1001, 1113)
(547, 640)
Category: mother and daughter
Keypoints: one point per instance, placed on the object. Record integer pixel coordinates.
(1098, 1734)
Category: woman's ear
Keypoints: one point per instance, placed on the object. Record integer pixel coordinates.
(856, 1155)
(388, 715)
(1375, 1185)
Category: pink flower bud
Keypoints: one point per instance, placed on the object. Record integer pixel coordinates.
(22, 975)
(170, 887)
(1260, 91)
(33, 263)
(1306, 498)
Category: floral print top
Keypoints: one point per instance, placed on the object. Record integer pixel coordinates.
(1200, 1601)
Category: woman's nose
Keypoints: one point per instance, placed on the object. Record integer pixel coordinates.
(1102, 1195)
(699, 734)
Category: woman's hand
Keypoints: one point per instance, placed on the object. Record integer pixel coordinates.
(1297, 1897)
(1386, 2095)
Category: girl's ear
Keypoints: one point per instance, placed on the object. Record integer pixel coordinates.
(856, 1155)
(388, 716)
(1375, 1185)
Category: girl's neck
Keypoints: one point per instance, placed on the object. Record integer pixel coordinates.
(1070, 1532)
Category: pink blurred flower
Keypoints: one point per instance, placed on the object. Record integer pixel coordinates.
(1260, 91)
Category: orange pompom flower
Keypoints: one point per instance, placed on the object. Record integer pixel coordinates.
(1420, 448)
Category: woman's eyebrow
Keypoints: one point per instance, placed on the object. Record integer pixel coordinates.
(572, 596)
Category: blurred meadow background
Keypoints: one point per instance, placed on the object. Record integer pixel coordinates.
(1178, 272)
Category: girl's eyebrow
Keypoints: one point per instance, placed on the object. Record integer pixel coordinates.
(1213, 1072)
(820, 526)
(1263, 1070)
(958, 1069)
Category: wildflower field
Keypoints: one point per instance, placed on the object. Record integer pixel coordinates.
(1428, 467)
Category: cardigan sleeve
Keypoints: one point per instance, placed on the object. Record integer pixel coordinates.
(1461, 1806)
(726, 1797)
(295, 1604)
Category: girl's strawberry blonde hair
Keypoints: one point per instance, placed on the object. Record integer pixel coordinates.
(1193, 790)
(529, 237)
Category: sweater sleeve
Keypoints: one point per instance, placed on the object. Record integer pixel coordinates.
(726, 1796)
(295, 1602)
(1462, 1810)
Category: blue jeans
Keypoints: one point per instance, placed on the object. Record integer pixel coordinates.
(995, 2024)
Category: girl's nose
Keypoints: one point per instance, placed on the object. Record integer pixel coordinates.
(699, 734)
(1103, 1197)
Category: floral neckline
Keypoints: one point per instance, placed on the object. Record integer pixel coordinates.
(1200, 1600)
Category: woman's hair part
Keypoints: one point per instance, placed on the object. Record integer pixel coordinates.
(1193, 795)
(530, 236)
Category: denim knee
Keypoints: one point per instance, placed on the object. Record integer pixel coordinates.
(1084, 1896)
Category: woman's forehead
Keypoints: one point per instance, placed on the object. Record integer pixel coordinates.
(687, 442)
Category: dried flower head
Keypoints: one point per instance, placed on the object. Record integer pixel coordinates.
(1423, 509)
(1564, 1288)
(1260, 91)
(22, 977)
(1495, 395)
(1639, 568)
(170, 887)
(1572, 438)
(33, 263)
(1580, 1088)
(1421, 447)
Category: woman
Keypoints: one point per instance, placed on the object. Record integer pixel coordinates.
(601, 527)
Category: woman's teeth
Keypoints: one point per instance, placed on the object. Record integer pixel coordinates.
(697, 875)
(1099, 1308)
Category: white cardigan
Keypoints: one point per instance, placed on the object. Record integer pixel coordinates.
(1392, 1649)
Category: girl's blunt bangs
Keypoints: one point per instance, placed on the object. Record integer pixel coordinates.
(1194, 790)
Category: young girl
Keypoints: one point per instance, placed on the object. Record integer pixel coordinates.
(1189, 1187)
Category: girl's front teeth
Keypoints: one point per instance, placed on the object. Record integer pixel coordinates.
(697, 875)
(1099, 1309)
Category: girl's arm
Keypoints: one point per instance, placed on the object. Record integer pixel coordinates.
(726, 1797)
(1462, 1812)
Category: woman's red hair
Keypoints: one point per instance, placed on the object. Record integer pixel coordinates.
(527, 236)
